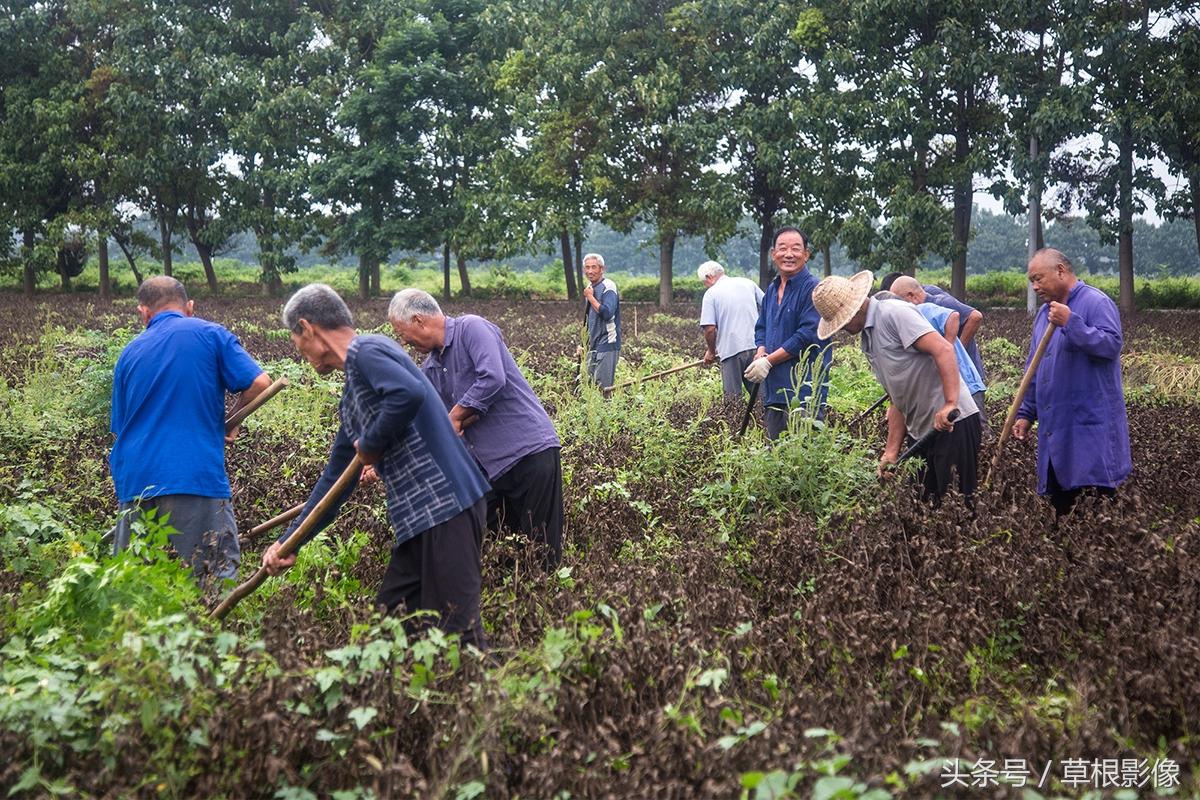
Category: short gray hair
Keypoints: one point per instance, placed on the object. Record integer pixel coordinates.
(409, 303)
(320, 305)
(599, 259)
(161, 290)
(710, 269)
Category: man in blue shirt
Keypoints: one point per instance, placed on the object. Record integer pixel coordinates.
(789, 350)
(392, 417)
(969, 318)
(168, 416)
(493, 408)
(602, 317)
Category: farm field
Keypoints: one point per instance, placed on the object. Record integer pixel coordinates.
(730, 620)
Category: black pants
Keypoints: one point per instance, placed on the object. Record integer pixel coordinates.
(438, 570)
(953, 451)
(1063, 500)
(529, 498)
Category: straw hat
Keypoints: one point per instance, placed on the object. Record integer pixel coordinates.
(838, 299)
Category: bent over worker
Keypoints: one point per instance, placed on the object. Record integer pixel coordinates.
(728, 315)
(392, 417)
(493, 408)
(168, 416)
(917, 368)
(1076, 397)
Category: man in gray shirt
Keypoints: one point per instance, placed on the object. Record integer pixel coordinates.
(728, 315)
(919, 371)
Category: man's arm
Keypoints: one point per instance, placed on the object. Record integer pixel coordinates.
(257, 387)
(400, 393)
(710, 341)
(967, 332)
(950, 331)
(897, 427)
(1099, 336)
(483, 346)
(607, 307)
(942, 354)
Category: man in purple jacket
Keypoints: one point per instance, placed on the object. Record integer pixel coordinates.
(1076, 396)
(493, 408)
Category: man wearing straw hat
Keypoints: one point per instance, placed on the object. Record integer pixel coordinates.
(919, 371)
(392, 417)
(790, 350)
(1075, 397)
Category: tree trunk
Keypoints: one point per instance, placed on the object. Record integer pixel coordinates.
(828, 259)
(579, 260)
(564, 241)
(463, 278)
(962, 197)
(364, 276)
(1035, 217)
(63, 275)
(1194, 182)
(164, 235)
(102, 261)
(137, 275)
(764, 251)
(446, 271)
(376, 277)
(30, 276)
(210, 274)
(1125, 232)
(666, 262)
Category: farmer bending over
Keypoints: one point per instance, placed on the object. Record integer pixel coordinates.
(969, 319)
(728, 315)
(918, 370)
(394, 420)
(492, 407)
(168, 414)
(786, 335)
(1076, 396)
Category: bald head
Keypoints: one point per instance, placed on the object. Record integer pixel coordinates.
(907, 288)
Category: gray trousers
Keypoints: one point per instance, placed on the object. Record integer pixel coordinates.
(206, 532)
(602, 367)
(732, 370)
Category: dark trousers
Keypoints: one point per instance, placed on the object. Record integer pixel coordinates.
(1063, 500)
(529, 498)
(438, 570)
(953, 451)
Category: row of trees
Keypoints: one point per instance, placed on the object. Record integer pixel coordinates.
(481, 128)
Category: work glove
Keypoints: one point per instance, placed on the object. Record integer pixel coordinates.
(757, 371)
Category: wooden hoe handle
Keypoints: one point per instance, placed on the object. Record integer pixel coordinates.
(239, 416)
(1020, 396)
(651, 377)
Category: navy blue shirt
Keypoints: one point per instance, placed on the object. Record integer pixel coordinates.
(604, 326)
(792, 325)
(391, 409)
(474, 369)
(168, 407)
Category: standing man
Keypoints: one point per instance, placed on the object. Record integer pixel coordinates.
(918, 370)
(168, 416)
(786, 336)
(969, 318)
(499, 417)
(947, 323)
(728, 315)
(392, 417)
(602, 316)
(1076, 397)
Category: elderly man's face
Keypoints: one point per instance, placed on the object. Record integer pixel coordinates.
(593, 270)
(423, 333)
(1048, 278)
(915, 295)
(790, 254)
(313, 347)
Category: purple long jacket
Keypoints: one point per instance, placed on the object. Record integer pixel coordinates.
(1076, 395)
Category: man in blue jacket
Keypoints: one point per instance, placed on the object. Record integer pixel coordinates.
(1076, 397)
(789, 350)
(602, 315)
(168, 416)
(392, 417)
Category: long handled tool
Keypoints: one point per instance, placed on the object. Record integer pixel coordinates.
(749, 409)
(280, 519)
(867, 413)
(292, 543)
(919, 446)
(239, 416)
(655, 375)
(1030, 371)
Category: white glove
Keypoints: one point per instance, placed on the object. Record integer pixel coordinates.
(757, 371)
